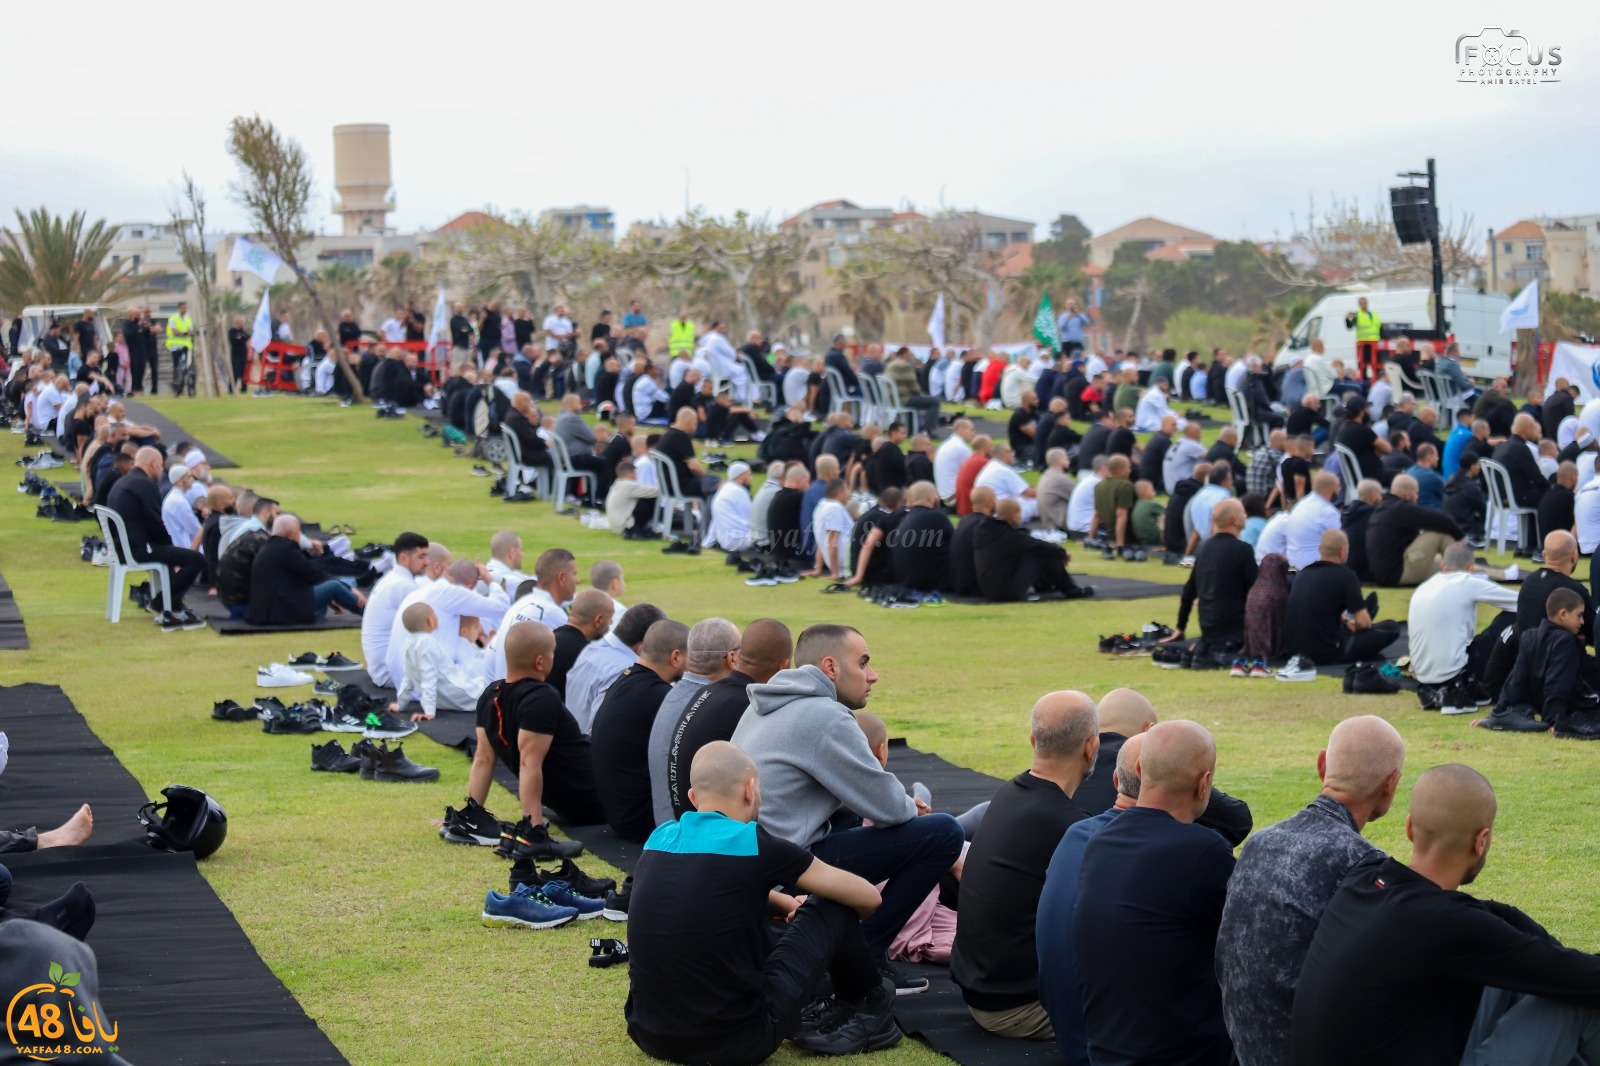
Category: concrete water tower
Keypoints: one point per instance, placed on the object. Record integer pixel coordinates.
(361, 177)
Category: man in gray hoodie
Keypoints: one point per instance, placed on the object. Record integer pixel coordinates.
(815, 763)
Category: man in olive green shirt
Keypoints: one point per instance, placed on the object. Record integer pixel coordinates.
(1127, 394)
(1147, 514)
(1113, 504)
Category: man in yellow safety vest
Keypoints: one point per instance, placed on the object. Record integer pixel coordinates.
(681, 335)
(1369, 329)
(180, 342)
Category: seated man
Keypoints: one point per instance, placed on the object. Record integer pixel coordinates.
(137, 501)
(1328, 620)
(1405, 540)
(177, 513)
(631, 504)
(785, 528)
(522, 422)
(963, 554)
(921, 545)
(1221, 578)
(555, 582)
(1054, 491)
(801, 734)
(1406, 968)
(1113, 507)
(505, 562)
(1010, 563)
(713, 645)
(1150, 901)
(1080, 505)
(1442, 625)
(701, 913)
(1545, 689)
(522, 724)
(830, 531)
(730, 512)
(466, 617)
(871, 557)
(287, 589)
(620, 730)
(411, 562)
(999, 475)
(994, 962)
(431, 678)
(714, 711)
(602, 661)
(1285, 877)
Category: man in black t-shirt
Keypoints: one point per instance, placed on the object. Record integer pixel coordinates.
(784, 528)
(1328, 620)
(994, 961)
(677, 444)
(1357, 435)
(522, 724)
(588, 619)
(1021, 428)
(707, 984)
(921, 543)
(1557, 509)
(715, 710)
(886, 465)
(620, 732)
(871, 560)
(963, 559)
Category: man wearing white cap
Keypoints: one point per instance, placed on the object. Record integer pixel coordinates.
(177, 513)
(730, 511)
(200, 470)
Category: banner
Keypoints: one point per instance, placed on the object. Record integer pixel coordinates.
(250, 258)
(1523, 312)
(1044, 325)
(261, 332)
(440, 330)
(936, 322)
(1580, 365)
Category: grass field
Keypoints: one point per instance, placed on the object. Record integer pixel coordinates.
(372, 922)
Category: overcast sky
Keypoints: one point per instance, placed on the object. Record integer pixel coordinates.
(1226, 118)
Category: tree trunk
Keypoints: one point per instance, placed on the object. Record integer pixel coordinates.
(333, 339)
(1133, 321)
(1527, 363)
(983, 325)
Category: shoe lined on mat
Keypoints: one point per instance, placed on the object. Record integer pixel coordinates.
(332, 758)
(524, 909)
(326, 687)
(852, 1027)
(472, 824)
(305, 658)
(335, 661)
(277, 675)
(289, 722)
(905, 984)
(535, 842)
(1516, 718)
(381, 725)
(173, 621)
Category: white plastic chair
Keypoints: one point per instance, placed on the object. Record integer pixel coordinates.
(766, 391)
(670, 499)
(1251, 433)
(515, 467)
(1503, 503)
(564, 474)
(838, 398)
(1349, 473)
(872, 400)
(115, 534)
(892, 406)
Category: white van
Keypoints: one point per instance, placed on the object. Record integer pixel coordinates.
(1472, 320)
(36, 321)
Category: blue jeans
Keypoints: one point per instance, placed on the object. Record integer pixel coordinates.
(910, 856)
(334, 591)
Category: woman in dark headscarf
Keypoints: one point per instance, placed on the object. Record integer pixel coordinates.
(1265, 607)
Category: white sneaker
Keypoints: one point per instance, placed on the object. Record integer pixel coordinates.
(277, 675)
(102, 557)
(1298, 668)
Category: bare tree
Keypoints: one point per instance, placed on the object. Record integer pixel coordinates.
(188, 215)
(946, 257)
(523, 258)
(753, 255)
(275, 187)
(1352, 244)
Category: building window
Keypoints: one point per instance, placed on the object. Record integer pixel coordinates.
(137, 234)
(1019, 237)
(1533, 252)
(994, 240)
(835, 257)
(811, 282)
(136, 264)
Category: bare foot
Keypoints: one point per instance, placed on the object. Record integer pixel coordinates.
(75, 831)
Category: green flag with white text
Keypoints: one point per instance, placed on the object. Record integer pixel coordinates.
(1044, 325)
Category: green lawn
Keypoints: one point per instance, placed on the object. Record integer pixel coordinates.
(372, 922)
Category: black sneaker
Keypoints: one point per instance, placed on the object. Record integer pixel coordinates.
(327, 687)
(171, 622)
(229, 711)
(290, 723)
(331, 758)
(852, 1027)
(470, 825)
(508, 838)
(535, 842)
(617, 902)
(1365, 679)
(904, 984)
(305, 658)
(337, 721)
(336, 661)
(367, 752)
(391, 764)
(265, 705)
(1517, 718)
(677, 547)
(582, 883)
(314, 708)
(1583, 726)
(1430, 696)
(381, 725)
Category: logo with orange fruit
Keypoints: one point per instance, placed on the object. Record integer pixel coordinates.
(47, 1021)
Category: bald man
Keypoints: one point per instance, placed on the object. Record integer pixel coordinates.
(708, 983)
(963, 568)
(466, 616)
(588, 619)
(522, 724)
(1328, 620)
(1406, 968)
(713, 713)
(1404, 539)
(288, 589)
(1224, 569)
(621, 729)
(522, 421)
(1125, 713)
(993, 961)
(1058, 967)
(1011, 564)
(1150, 900)
(1285, 877)
(921, 546)
(1528, 482)
(137, 500)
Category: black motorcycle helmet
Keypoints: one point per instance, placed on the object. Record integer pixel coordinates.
(189, 820)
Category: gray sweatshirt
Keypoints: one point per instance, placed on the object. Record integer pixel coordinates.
(814, 760)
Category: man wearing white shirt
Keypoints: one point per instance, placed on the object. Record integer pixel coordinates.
(599, 663)
(47, 403)
(1381, 395)
(725, 362)
(1311, 518)
(392, 330)
(505, 563)
(323, 377)
(383, 603)
(1080, 505)
(1153, 408)
(69, 404)
(177, 514)
(606, 575)
(1197, 516)
(948, 457)
(1443, 617)
(1093, 365)
(730, 527)
(684, 362)
(796, 381)
(558, 330)
(557, 574)
(1237, 369)
(649, 399)
(1274, 537)
(999, 475)
(1586, 508)
(453, 598)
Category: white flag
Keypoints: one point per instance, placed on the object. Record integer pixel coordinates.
(250, 258)
(1523, 312)
(440, 331)
(936, 322)
(261, 332)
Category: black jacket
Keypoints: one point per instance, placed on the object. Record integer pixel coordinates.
(1224, 570)
(1355, 523)
(1556, 408)
(963, 562)
(1528, 483)
(1150, 460)
(1465, 502)
(534, 450)
(919, 467)
(235, 567)
(281, 580)
(136, 498)
(786, 441)
(1000, 555)
(1545, 676)
(1393, 526)
(1172, 535)
(886, 468)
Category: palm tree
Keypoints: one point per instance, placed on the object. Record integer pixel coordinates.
(55, 260)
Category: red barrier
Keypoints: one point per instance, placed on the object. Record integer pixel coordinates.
(275, 367)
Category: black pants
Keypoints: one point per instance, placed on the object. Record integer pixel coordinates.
(136, 367)
(823, 937)
(152, 359)
(599, 483)
(926, 409)
(1049, 575)
(240, 362)
(185, 565)
(644, 514)
(1367, 644)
